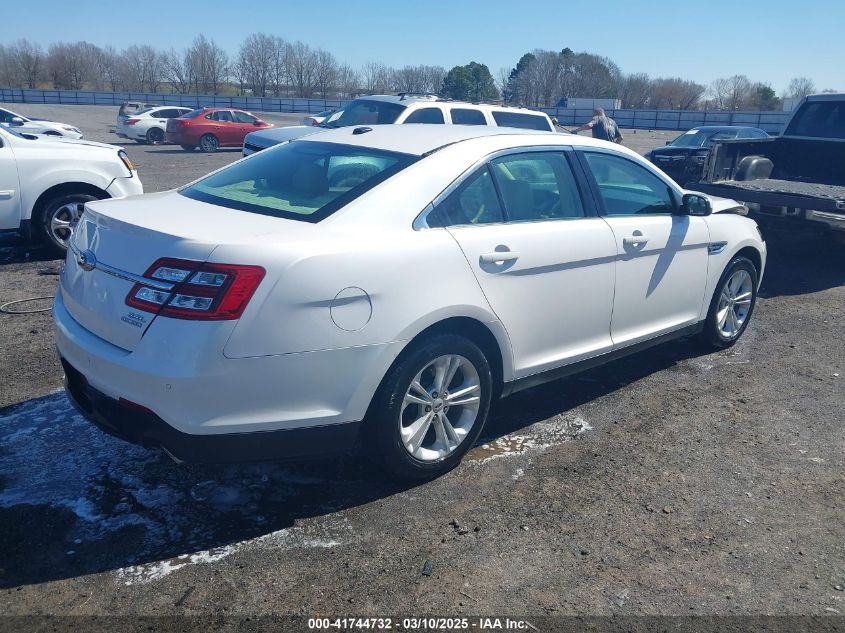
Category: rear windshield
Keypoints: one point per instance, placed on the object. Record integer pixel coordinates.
(301, 180)
(365, 112)
(702, 138)
(517, 119)
(819, 119)
(193, 114)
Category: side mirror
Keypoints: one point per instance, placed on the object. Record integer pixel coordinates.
(258, 123)
(16, 121)
(668, 142)
(696, 204)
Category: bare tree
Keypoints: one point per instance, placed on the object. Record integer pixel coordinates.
(29, 59)
(325, 72)
(348, 82)
(800, 87)
(302, 66)
(376, 77)
(674, 93)
(731, 93)
(635, 90)
(177, 70)
(255, 62)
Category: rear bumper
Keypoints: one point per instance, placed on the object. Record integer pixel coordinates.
(143, 427)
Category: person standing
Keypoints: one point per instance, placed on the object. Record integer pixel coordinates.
(603, 127)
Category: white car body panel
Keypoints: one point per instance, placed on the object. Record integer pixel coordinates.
(343, 297)
(33, 126)
(45, 162)
(146, 121)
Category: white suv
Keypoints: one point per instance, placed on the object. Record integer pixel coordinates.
(45, 181)
(405, 108)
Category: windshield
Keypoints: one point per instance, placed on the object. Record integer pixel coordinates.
(701, 138)
(364, 112)
(819, 119)
(301, 180)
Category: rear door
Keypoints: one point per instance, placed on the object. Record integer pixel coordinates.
(543, 259)
(661, 268)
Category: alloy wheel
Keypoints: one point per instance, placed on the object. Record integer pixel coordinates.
(64, 219)
(209, 143)
(734, 304)
(440, 407)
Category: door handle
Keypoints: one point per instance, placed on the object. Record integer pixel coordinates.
(7, 194)
(499, 256)
(635, 239)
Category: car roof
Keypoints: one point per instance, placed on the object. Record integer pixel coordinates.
(419, 139)
(411, 99)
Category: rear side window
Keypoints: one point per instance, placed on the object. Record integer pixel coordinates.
(538, 186)
(819, 119)
(243, 117)
(522, 120)
(474, 202)
(466, 116)
(426, 115)
(300, 180)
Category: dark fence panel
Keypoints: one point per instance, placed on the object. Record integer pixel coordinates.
(771, 122)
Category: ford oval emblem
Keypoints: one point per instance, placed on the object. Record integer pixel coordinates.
(87, 261)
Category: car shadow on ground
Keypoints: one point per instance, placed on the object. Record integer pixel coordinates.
(802, 261)
(16, 250)
(76, 501)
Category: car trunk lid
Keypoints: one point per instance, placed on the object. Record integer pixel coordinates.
(117, 241)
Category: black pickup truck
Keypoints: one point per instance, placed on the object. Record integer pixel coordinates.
(798, 176)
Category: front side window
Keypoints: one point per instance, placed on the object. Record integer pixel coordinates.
(537, 186)
(466, 116)
(365, 112)
(426, 115)
(627, 188)
(243, 117)
(301, 180)
(6, 116)
(521, 120)
(474, 202)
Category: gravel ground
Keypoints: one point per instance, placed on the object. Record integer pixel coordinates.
(670, 483)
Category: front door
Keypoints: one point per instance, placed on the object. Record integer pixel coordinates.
(543, 261)
(661, 268)
(10, 195)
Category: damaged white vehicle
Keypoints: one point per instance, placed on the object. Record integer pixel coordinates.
(382, 286)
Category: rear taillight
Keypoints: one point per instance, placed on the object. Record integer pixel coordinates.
(207, 292)
(131, 121)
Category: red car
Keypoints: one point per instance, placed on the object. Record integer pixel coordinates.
(212, 128)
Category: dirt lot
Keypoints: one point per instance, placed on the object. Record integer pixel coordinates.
(673, 482)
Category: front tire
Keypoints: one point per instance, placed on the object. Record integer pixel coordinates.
(431, 407)
(732, 304)
(209, 143)
(57, 217)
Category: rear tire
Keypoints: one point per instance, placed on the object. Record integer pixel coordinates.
(442, 436)
(189, 148)
(732, 304)
(155, 136)
(209, 143)
(56, 218)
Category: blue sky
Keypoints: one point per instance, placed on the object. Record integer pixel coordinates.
(770, 41)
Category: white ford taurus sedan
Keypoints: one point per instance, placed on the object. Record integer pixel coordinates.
(382, 286)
